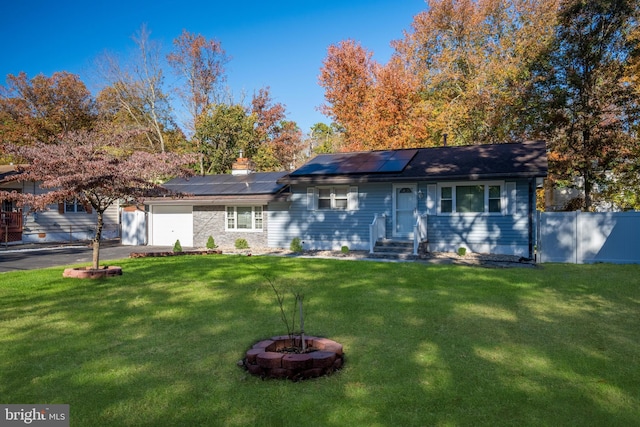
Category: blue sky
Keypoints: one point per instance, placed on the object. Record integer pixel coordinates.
(280, 44)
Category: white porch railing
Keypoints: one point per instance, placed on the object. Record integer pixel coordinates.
(377, 230)
(419, 232)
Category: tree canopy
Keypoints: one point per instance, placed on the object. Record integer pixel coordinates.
(470, 71)
(41, 108)
(92, 168)
(492, 71)
(590, 115)
(260, 132)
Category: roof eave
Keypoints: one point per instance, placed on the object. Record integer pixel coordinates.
(218, 200)
(350, 179)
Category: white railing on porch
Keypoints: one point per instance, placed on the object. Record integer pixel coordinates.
(419, 232)
(377, 230)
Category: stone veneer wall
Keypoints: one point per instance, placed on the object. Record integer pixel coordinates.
(209, 221)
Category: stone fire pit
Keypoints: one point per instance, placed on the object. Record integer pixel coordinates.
(279, 357)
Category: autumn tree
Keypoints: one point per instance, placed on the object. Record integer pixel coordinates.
(135, 90)
(396, 108)
(325, 138)
(378, 105)
(279, 141)
(347, 76)
(40, 108)
(462, 70)
(624, 191)
(284, 151)
(588, 110)
(89, 166)
(223, 130)
(199, 63)
(473, 59)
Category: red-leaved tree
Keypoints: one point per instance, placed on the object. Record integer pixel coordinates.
(93, 168)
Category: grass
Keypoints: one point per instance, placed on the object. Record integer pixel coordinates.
(425, 345)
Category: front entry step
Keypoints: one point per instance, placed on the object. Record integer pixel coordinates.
(393, 249)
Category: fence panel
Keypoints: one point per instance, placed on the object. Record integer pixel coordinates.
(585, 237)
(134, 228)
(558, 233)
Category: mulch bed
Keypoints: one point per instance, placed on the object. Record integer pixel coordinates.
(171, 253)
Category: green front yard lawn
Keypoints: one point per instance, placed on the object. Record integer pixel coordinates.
(424, 345)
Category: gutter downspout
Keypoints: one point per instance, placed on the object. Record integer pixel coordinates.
(532, 202)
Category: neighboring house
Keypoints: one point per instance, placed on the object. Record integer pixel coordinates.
(63, 222)
(568, 199)
(11, 218)
(479, 197)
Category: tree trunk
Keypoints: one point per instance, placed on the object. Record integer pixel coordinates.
(96, 240)
(588, 188)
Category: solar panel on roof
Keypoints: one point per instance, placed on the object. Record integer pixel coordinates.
(393, 165)
(367, 166)
(258, 183)
(350, 163)
(403, 154)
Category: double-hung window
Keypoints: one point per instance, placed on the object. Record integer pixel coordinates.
(72, 206)
(244, 218)
(337, 197)
(333, 197)
(471, 198)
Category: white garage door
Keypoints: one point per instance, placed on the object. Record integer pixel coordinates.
(171, 223)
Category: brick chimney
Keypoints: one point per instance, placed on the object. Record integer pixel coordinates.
(242, 166)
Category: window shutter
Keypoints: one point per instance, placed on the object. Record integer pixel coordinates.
(432, 195)
(352, 199)
(61, 207)
(88, 208)
(510, 188)
(312, 199)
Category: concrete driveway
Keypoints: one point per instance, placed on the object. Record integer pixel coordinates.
(35, 256)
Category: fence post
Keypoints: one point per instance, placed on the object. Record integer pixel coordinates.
(538, 248)
(578, 237)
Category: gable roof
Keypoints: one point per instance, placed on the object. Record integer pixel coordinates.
(471, 162)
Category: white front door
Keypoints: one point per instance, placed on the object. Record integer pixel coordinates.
(405, 202)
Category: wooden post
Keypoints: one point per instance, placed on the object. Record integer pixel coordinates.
(302, 339)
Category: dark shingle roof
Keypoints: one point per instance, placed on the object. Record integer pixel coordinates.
(472, 162)
(261, 183)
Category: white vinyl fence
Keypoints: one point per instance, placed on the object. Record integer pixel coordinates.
(584, 237)
(134, 228)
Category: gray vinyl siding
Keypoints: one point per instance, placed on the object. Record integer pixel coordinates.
(331, 229)
(326, 228)
(506, 234)
(51, 226)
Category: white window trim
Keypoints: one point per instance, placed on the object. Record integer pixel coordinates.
(333, 197)
(504, 199)
(253, 228)
(313, 198)
(77, 207)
